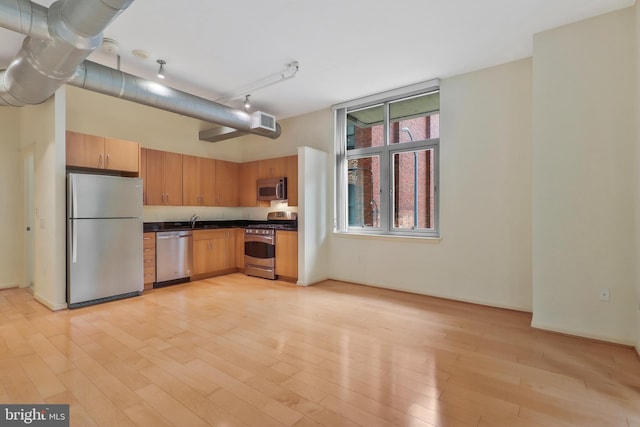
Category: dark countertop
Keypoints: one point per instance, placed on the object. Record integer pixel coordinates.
(212, 225)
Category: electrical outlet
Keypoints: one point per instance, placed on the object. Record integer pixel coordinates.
(604, 294)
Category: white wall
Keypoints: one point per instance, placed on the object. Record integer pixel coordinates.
(313, 130)
(43, 126)
(313, 230)
(637, 179)
(97, 114)
(484, 254)
(10, 199)
(583, 175)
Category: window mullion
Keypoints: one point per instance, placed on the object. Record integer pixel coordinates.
(341, 170)
(385, 181)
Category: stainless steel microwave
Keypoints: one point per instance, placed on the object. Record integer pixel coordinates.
(272, 188)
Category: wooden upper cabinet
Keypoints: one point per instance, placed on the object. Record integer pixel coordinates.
(121, 155)
(97, 152)
(190, 180)
(85, 151)
(248, 174)
(173, 179)
(154, 177)
(163, 178)
(182, 180)
(226, 179)
(198, 181)
(272, 168)
(208, 171)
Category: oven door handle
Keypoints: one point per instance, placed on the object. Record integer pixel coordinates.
(269, 240)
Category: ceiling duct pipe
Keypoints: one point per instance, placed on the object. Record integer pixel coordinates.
(24, 17)
(105, 80)
(58, 40)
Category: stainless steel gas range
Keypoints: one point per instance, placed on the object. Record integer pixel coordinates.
(260, 243)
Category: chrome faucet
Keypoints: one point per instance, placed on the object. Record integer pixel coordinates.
(194, 218)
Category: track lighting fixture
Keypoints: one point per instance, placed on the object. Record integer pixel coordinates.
(162, 62)
(288, 73)
(247, 104)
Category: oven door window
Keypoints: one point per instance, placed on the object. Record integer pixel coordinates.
(259, 250)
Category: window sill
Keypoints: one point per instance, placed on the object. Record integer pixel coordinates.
(389, 237)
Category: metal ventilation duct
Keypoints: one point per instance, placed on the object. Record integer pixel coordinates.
(105, 80)
(58, 39)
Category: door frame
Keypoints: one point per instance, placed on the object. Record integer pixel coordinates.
(28, 216)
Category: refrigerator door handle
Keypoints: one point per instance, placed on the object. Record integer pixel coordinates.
(74, 241)
(74, 197)
(72, 223)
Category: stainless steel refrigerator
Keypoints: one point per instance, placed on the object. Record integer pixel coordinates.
(104, 238)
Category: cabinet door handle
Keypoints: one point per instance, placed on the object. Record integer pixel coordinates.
(106, 164)
(100, 160)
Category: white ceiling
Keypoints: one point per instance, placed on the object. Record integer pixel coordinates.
(346, 48)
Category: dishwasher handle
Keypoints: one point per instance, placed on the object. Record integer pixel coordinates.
(173, 235)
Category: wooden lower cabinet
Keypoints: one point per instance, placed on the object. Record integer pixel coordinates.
(239, 234)
(214, 252)
(149, 260)
(287, 254)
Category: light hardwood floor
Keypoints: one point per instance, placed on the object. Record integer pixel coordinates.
(235, 350)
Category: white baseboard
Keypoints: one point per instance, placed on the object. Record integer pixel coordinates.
(583, 334)
(50, 305)
(436, 295)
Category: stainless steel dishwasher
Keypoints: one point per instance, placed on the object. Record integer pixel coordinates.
(174, 254)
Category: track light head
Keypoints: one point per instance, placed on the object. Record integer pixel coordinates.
(162, 62)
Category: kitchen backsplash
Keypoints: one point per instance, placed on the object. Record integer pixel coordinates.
(206, 213)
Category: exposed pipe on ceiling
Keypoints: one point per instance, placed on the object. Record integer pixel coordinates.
(24, 17)
(50, 53)
(58, 41)
(105, 80)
